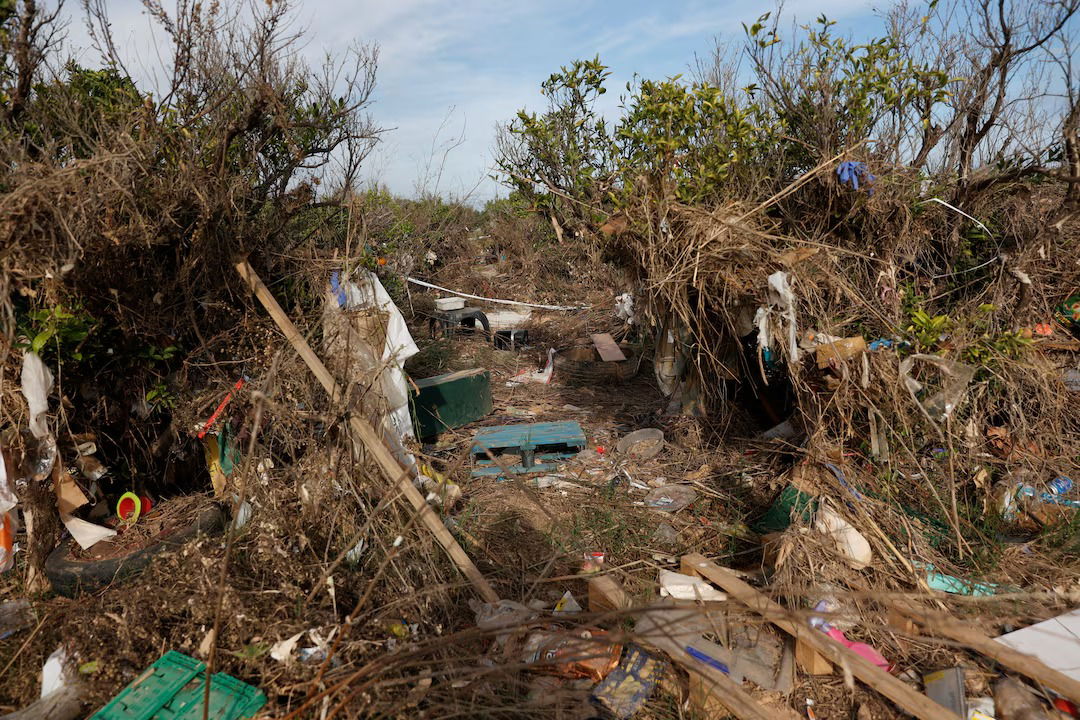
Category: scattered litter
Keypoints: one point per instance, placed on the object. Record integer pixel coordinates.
(567, 605)
(946, 688)
(790, 503)
(836, 351)
(688, 587)
(955, 378)
(86, 534)
(861, 648)
(7, 519)
(666, 534)
(356, 552)
(624, 308)
(955, 585)
(243, 515)
(282, 649)
(593, 562)
(54, 673)
(671, 498)
(626, 688)
(641, 445)
(582, 653)
(1052, 641)
(555, 481)
(505, 614)
(784, 431)
(541, 377)
(1015, 701)
(849, 542)
(37, 382)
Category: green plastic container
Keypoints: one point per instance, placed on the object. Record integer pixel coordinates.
(791, 503)
(172, 689)
(450, 401)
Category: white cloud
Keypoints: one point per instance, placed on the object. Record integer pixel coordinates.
(474, 63)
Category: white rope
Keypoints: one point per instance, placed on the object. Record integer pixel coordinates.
(414, 281)
(986, 229)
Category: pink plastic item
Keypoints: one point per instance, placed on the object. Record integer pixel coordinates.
(861, 648)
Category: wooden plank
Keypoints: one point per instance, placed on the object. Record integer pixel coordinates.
(907, 699)
(395, 474)
(810, 660)
(607, 347)
(606, 594)
(1015, 660)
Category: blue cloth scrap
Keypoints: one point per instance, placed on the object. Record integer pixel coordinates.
(338, 288)
(850, 173)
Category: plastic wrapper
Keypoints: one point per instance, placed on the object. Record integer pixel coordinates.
(584, 653)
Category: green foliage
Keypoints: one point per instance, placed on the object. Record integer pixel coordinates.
(692, 135)
(60, 329)
(988, 349)
(565, 154)
(830, 94)
(76, 110)
(926, 331)
(160, 397)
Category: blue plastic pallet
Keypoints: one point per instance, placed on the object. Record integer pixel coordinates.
(546, 442)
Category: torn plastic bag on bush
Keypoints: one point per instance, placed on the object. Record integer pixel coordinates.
(954, 380)
(37, 381)
(367, 342)
(782, 303)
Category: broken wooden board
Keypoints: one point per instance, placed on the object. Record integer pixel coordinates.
(907, 699)
(608, 349)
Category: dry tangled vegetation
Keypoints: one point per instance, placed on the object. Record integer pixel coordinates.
(122, 215)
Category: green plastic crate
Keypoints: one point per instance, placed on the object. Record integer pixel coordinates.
(172, 689)
(450, 401)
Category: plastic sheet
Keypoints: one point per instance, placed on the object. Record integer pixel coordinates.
(955, 378)
(37, 381)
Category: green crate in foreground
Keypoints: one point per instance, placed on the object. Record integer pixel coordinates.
(172, 689)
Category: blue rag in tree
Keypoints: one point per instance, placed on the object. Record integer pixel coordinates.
(850, 173)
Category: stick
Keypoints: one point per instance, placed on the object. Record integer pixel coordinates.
(361, 430)
(1022, 663)
(915, 703)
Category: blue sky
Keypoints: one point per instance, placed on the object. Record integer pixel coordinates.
(450, 70)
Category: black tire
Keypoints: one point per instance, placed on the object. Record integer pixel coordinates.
(69, 577)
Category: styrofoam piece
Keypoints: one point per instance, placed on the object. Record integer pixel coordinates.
(688, 587)
(450, 303)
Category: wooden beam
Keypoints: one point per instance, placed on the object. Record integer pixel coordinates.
(810, 660)
(607, 594)
(362, 431)
(1022, 663)
(907, 699)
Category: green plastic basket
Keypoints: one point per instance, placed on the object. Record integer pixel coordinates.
(172, 689)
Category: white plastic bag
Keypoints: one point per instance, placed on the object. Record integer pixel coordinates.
(37, 381)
